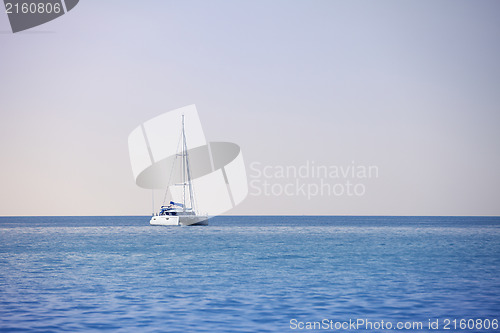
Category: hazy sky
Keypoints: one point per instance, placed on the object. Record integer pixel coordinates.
(412, 87)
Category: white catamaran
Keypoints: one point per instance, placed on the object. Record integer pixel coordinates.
(179, 213)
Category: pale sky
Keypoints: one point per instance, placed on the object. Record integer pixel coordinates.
(412, 87)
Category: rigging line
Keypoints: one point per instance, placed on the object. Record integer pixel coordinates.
(192, 194)
(186, 157)
(191, 187)
(172, 170)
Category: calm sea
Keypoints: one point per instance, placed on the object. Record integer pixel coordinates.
(250, 274)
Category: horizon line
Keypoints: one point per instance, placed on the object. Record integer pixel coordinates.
(263, 215)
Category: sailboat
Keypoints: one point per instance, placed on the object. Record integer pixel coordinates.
(184, 213)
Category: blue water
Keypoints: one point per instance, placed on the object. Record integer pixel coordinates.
(246, 274)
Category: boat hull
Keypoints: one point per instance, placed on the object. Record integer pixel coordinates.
(164, 220)
(179, 220)
(193, 220)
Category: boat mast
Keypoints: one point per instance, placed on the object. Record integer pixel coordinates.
(183, 167)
